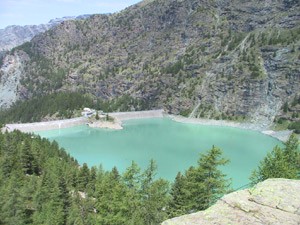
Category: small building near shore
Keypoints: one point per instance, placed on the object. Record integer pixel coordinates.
(87, 112)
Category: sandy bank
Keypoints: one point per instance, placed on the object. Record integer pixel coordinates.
(280, 135)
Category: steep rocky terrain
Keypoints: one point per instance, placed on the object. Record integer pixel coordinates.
(15, 35)
(274, 201)
(232, 59)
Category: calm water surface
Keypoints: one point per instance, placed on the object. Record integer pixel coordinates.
(174, 146)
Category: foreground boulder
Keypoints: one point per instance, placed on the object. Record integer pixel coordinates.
(274, 201)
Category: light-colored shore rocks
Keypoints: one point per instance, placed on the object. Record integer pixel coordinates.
(115, 125)
(274, 201)
(122, 116)
(280, 135)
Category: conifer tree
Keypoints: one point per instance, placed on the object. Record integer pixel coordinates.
(201, 186)
(132, 176)
(179, 198)
(26, 158)
(83, 177)
(214, 183)
(279, 163)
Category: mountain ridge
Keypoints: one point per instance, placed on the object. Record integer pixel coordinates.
(14, 35)
(235, 59)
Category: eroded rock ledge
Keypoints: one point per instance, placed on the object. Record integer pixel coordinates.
(274, 201)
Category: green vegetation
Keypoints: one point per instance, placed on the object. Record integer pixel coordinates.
(289, 116)
(280, 163)
(35, 109)
(295, 126)
(200, 186)
(64, 105)
(122, 104)
(41, 184)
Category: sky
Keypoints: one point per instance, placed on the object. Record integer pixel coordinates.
(30, 12)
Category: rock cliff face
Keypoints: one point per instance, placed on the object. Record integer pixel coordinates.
(232, 59)
(12, 70)
(274, 201)
(13, 36)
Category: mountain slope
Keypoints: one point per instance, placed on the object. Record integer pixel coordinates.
(14, 35)
(233, 59)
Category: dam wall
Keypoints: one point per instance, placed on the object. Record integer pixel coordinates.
(58, 124)
(49, 125)
(138, 115)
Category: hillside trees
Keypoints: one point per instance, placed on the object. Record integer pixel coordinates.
(62, 105)
(280, 162)
(200, 186)
(41, 184)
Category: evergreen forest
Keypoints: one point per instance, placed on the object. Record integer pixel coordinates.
(41, 184)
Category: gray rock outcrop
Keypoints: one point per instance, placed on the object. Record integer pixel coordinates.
(274, 201)
(14, 35)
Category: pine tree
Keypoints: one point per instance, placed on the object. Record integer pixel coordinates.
(279, 163)
(201, 186)
(292, 152)
(111, 203)
(213, 184)
(154, 197)
(132, 176)
(179, 198)
(26, 158)
(83, 177)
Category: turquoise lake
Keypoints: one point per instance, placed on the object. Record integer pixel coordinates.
(174, 146)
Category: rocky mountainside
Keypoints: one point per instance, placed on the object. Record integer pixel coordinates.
(14, 35)
(274, 201)
(218, 58)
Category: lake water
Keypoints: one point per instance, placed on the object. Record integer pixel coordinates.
(174, 146)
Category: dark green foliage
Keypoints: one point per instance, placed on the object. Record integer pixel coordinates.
(236, 40)
(285, 107)
(280, 163)
(174, 68)
(97, 116)
(41, 184)
(83, 177)
(122, 104)
(178, 192)
(34, 185)
(35, 109)
(201, 186)
(295, 126)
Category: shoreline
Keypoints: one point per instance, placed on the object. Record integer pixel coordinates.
(282, 135)
(66, 123)
(122, 116)
(44, 126)
(114, 125)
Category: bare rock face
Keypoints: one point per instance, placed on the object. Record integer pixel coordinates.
(12, 36)
(11, 74)
(274, 201)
